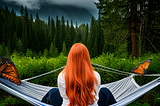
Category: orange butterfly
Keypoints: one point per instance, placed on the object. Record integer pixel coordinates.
(9, 71)
(142, 67)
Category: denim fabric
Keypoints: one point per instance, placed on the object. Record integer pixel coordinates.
(53, 97)
(105, 97)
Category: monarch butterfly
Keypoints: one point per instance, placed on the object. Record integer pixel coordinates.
(8, 70)
(142, 67)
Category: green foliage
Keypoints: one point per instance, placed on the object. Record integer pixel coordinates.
(157, 99)
(31, 66)
(121, 50)
(9, 100)
(56, 52)
(1, 50)
(20, 46)
(145, 104)
(29, 53)
(126, 64)
(51, 50)
(64, 50)
(7, 53)
(113, 17)
(45, 53)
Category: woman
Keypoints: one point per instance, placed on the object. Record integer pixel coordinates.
(78, 83)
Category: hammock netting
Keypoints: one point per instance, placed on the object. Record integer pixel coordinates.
(125, 90)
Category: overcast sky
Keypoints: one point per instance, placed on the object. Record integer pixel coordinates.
(35, 4)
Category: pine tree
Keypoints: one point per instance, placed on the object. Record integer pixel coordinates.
(56, 53)
(91, 37)
(49, 23)
(72, 32)
(5, 34)
(64, 50)
(24, 39)
(105, 48)
(52, 30)
(63, 29)
(22, 11)
(11, 27)
(15, 41)
(95, 52)
(68, 37)
(19, 27)
(26, 14)
(68, 42)
(51, 50)
(36, 35)
(42, 36)
(57, 38)
(80, 36)
(100, 38)
(67, 29)
(86, 35)
(20, 46)
(30, 33)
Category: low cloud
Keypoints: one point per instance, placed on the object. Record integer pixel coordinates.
(31, 4)
(35, 4)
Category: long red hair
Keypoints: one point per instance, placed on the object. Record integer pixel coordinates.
(80, 79)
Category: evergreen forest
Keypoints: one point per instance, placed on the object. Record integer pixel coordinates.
(131, 28)
(23, 35)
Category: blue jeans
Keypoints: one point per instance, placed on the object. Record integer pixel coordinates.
(105, 97)
(53, 97)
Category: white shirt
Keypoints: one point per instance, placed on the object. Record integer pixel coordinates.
(61, 86)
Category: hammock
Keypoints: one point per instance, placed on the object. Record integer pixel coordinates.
(125, 90)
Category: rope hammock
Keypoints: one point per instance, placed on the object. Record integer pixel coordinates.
(125, 90)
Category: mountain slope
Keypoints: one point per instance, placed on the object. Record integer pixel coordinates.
(77, 14)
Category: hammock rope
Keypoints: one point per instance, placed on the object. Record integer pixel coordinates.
(43, 74)
(103, 68)
(121, 72)
(118, 71)
(112, 71)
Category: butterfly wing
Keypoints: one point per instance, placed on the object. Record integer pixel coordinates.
(141, 69)
(8, 70)
(146, 64)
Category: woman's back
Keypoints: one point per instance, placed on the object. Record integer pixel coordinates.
(61, 86)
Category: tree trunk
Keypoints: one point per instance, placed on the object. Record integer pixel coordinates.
(135, 50)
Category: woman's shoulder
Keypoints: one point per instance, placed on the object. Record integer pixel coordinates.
(61, 75)
(98, 77)
(96, 73)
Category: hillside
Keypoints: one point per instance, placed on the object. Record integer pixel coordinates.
(77, 14)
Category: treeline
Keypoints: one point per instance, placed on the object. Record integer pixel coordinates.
(24, 35)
